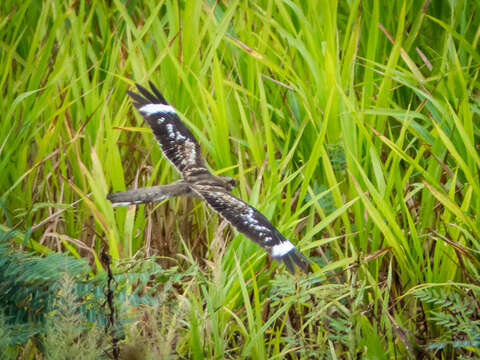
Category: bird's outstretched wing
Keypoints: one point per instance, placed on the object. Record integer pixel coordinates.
(176, 140)
(182, 149)
(253, 224)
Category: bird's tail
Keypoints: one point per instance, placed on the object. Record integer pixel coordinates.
(135, 196)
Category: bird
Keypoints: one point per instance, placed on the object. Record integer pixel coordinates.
(182, 149)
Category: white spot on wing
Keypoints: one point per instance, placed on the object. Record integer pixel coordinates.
(255, 224)
(282, 248)
(151, 109)
(191, 151)
(174, 134)
(171, 132)
(180, 137)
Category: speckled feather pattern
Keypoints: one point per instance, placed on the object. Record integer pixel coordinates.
(180, 146)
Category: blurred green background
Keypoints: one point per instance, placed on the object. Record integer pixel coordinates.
(352, 125)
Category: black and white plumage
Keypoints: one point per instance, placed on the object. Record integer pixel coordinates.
(182, 149)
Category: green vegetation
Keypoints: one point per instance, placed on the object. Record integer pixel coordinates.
(353, 126)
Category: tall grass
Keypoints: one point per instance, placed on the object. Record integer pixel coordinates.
(353, 126)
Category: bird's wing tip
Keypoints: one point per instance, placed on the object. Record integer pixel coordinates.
(295, 258)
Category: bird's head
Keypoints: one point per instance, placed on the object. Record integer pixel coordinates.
(229, 182)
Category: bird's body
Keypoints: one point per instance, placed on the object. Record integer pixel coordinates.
(181, 148)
